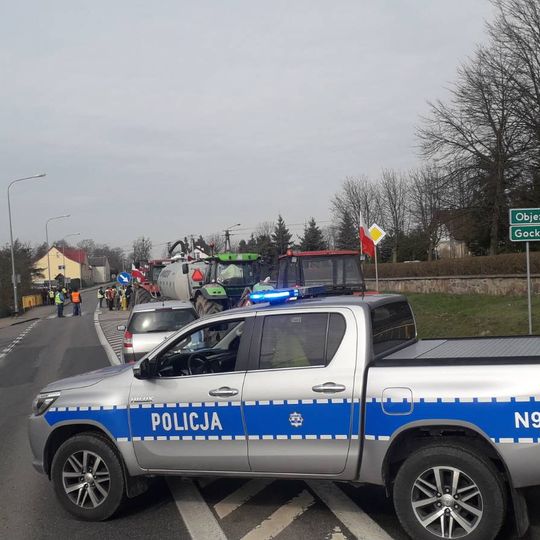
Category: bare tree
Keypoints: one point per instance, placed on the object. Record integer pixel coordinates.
(480, 131)
(216, 241)
(142, 249)
(360, 198)
(395, 206)
(426, 195)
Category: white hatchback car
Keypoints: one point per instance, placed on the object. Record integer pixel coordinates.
(149, 324)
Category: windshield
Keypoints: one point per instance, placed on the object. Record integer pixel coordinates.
(241, 275)
(162, 320)
(337, 271)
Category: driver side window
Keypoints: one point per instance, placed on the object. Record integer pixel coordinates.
(214, 348)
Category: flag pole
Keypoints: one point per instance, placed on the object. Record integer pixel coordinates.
(376, 271)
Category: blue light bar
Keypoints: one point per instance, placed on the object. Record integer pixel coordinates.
(274, 296)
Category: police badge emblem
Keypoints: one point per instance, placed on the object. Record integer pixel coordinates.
(296, 419)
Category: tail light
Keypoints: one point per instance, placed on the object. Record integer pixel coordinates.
(128, 340)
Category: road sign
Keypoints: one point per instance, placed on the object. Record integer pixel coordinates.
(124, 278)
(524, 216)
(525, 233)
(376, 233)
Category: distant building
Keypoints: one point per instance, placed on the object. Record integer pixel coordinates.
(450, 248)
(101, 270)
(69, 264)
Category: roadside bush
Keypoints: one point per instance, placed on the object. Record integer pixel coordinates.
(508, 263)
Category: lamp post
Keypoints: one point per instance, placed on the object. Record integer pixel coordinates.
(13, 275)
(64, 253)
(48, 249)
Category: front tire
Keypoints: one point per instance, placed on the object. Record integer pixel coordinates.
(88, 477)
(204, 306)
(449, 491)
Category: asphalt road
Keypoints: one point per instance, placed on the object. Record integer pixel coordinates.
(50, 349)
(54, 349)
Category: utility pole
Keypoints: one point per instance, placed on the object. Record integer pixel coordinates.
(228, 236)
(13, 274)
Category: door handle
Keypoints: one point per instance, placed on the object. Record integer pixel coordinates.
(224, 391)
(329, 388)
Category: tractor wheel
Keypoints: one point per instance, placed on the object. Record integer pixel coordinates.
(142, 296)
(204, 306)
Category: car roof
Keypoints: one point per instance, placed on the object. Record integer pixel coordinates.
(164, 304)
(370, 300)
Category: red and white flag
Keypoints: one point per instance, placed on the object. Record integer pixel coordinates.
(366, 243)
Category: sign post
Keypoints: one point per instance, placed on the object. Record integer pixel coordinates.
(525, 227)
(377, 234)
(124, 278)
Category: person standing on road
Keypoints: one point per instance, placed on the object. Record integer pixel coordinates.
(109, 294)
(129, 291)
(76, 300)
(123, 300)
(59, 301)
(117, 296)
(101, 296)
(51, 297)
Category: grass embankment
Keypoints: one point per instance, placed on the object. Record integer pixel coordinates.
(449, 315)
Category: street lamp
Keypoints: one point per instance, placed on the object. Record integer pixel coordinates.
(13, 275)
(64, 252)
(48, 249)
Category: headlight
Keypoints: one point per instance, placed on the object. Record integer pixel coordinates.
(43, 402)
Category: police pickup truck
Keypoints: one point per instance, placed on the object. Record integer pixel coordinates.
(333, 388)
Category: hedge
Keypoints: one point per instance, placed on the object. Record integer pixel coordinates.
(508, 263)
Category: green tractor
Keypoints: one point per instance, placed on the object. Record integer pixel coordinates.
(224, 280)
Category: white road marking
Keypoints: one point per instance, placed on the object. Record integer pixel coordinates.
(17, 340)
(349, 513)
(199, 520)
(113, 359)
(282, 517)
(236, 499)
(337, 534)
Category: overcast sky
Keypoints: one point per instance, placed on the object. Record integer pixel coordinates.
(172, 118)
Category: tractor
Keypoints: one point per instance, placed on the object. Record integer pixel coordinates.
(322, 273)
(213, 284)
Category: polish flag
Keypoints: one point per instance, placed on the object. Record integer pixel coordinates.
(368, 247)
(138, 275)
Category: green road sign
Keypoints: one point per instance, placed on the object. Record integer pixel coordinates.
(524, 216)
(525, 233)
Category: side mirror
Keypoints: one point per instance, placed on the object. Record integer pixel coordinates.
(142, 370)
(185, 268)
(121, 327)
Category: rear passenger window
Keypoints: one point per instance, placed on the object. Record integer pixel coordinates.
(300, 340)
(393, 324)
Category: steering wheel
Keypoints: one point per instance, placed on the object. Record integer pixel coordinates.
(198, 364)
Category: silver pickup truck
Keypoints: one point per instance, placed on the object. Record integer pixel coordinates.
(335, 388)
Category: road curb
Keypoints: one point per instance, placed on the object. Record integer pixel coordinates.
(113, 359)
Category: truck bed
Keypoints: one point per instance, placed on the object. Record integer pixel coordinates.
(479, 350)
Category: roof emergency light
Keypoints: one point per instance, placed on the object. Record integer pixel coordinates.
(274, 296)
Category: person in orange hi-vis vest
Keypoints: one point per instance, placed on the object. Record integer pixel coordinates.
(76, 300)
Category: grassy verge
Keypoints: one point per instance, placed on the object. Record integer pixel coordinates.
(449, 315)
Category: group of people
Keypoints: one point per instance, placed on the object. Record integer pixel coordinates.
(58, 297)
(117, 298)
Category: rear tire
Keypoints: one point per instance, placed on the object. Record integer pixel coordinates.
(88, 477)
(448, 487)
(142, 296)
(204, 306)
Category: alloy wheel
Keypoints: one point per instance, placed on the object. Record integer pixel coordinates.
(447, 502)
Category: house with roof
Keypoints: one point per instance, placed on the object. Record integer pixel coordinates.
(101, 270)
(68, 265)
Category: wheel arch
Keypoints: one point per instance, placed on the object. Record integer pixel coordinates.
(414, 437)
(135, 485)
(64, 432)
